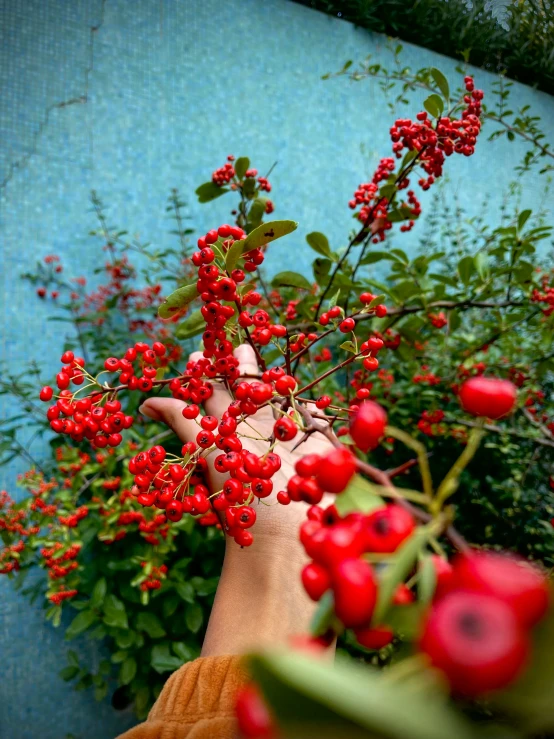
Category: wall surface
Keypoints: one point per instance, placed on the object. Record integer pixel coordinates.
(131, 99)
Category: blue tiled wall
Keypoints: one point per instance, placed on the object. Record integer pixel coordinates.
(132, 98)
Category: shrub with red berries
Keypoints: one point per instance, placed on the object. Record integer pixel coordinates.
(425, 387)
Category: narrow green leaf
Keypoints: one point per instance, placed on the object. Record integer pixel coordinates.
(291, 279)
(268, 232)
(193, 325)
(114, 612)
(177, 301)
(466, 267)
(210, 191)
(427, 579)
(98, 593)
(241, 165)
(162, 661)
(523, 218)
(441, 82)
(194, 617)
(233, 255)
(397, 571)
(128, 671)
(80, 623)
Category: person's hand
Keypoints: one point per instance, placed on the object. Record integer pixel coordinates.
(260, 601)
(274, 521)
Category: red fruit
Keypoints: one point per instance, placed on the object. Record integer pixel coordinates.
(342, 541)
(285, 429)
(252, 715)
(476, 641)
(46, 393)
(283, 497)
(387, 528)
(516, 582)
(308, 465)
(336, 469)
(355, 590)
(323, 402)
(347, 325)
(367, 425)
(315, 580)
(244, 538)
(375, 638)
(245, 517)
(488, 396)
(174, 510)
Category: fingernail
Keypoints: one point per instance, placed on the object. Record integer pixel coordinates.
(148, 412)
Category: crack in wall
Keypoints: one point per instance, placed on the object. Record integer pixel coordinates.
(78, 100)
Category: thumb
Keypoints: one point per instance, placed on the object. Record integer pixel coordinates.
(169, 411)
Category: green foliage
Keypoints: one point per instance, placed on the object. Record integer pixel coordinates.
(511, 37)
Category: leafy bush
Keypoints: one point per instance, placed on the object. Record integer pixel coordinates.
(511, 38)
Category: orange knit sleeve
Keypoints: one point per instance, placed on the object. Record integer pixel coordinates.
(197, 702)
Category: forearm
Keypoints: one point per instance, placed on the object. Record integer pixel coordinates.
(260, 600)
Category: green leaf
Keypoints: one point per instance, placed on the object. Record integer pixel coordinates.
(124, 639)
(177, 301)
(234, 254)
(193, 325)
(162, 661)
(114, 612)
(466, 267)
(210, 191)
(397, 571)
(434, 105)
(348, 346)
(241, 165)
(321, 269)
(350, 701)
(359, 495)
(441, 82)
(69, 673)
(427, 579)
(98, 593)
(523, 218)
(375, 256)
(183, 651)
(186, 591)
(128, 671)
(194, 617)
(482, 264)
(291, 279)
(151, 624)
(319, 243)
(324, 614)
(80, 623)
(256, 214)
(268, 232)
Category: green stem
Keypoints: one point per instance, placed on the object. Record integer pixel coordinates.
(421, 452)
(450, 483)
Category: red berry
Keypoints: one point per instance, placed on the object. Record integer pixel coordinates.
(252, 715)
(174, 510)
(515, 581)
(285, 429)
(374, 638)
(443, 572)
(323, 402)
(336, 469)
(367, 425)
(355, 590)
(46, 393)
(488, 396)
(476, 641)
(316, 580)
(387, 528)
(347, 325)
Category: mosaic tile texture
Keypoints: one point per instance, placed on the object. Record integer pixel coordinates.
(131, 99)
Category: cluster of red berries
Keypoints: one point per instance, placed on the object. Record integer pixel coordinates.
(154, 577)
(336, 546)
(477, 632)
(438, 320)
(56, 555)
(430, 423)
(545, 295)
(73, 519)
(223, 175)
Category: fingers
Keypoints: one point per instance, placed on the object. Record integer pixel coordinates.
(248, 364)
(218, 403)
(169, 411)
